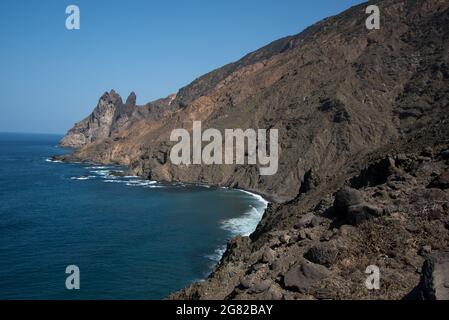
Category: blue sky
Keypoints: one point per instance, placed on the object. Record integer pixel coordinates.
(51, 77)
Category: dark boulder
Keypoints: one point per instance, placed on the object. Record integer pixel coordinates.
(445, 154)
(376, 174)
(441, 181)
(350, 206)
(324, 253)
(304, 275)
(268, 255)
(260, 286)
(434, 283)
(427, 152)
(347, 197)
(360, 213)
(246, 283)
(305, 221)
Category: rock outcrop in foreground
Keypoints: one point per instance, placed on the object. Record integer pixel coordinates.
(363, 170)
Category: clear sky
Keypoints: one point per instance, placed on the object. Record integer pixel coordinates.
(51, 77)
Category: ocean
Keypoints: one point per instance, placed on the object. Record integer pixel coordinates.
(130, 238)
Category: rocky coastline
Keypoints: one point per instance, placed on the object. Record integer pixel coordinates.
(363, 174)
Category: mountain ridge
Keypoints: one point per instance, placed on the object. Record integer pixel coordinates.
(355, 108)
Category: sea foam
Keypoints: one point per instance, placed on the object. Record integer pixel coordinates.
(243, 225)
(83, 178)
(217, 254)
(140, 183)
(257, 197)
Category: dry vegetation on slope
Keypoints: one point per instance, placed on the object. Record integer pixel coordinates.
(356, 108)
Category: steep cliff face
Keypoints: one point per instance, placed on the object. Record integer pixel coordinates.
(109, 116)
(346, 101)
(334, 92)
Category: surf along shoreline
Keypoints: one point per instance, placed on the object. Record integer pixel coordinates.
(243, 225)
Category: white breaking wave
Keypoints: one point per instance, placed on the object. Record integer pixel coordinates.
(256, 196)
(218, 253)
(83, 178)
(244, 225)
(154, 186)
(98, 167)
(53, 161)
(132, 183)
(101, 172)
(114, 181)
(140, 183)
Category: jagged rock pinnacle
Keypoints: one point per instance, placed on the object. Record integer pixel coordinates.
(131, 100)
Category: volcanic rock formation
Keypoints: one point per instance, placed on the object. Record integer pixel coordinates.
(363, 143)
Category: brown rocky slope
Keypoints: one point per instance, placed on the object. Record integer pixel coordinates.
(355, 108)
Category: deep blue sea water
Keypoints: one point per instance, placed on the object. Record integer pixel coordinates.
(131, 239)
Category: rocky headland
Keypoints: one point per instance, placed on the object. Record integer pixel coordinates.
(363, 173)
